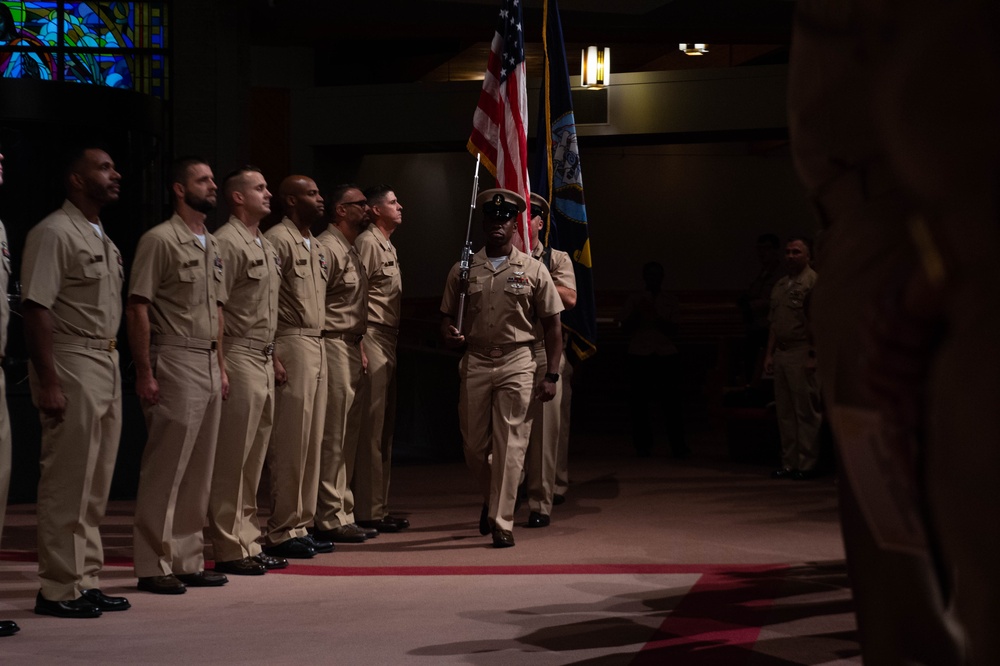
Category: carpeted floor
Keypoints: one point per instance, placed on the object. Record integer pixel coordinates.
(650, 561)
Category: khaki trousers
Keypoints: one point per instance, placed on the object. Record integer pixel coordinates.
(493, 414)
(5, 450)
(176, 471)
(797, 403)
(371, 480)
(540, 460)
(293, 452)
(344, 407)
(565, 408)
(244, 431)
(77, 463)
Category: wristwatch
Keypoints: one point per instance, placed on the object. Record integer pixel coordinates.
(552, 377)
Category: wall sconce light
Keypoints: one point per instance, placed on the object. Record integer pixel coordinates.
(595, 67)
(694, 49)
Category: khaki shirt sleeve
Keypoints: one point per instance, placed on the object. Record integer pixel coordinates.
(561, 269)
(449, 301)
(46, 257)
(368, 251)
(151, 256)
(547, 301)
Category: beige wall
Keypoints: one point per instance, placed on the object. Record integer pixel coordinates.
(696, 208)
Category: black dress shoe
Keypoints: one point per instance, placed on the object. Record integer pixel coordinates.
(484, 520)
(342, 534)
(369, 532)
(271, 562)
(78, 607)
(8, 628)
(203, 579)
(245, 567)
(783, 473)
(168, 584)
(383, 525)
(503, 538)
(318, 544)
(293, 549)
(536, 519)
(558, 499)
(402, 523)
(104, 602)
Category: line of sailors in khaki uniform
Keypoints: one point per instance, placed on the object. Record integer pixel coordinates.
(248, 347)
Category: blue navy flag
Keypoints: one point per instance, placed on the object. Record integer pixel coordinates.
(556, 177)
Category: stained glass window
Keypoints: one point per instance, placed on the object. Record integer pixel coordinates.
(115, 44)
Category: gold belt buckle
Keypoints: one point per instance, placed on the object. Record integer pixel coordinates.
(112, 345)
(495, 352)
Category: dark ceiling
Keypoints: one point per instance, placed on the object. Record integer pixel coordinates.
(402, 41)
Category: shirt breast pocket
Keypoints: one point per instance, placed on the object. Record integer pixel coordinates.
(475, 296)
(518, 288)
(303, 283)
(84, 281)
(390, 271)
(188, 275)
(89, 270)
(258, 272)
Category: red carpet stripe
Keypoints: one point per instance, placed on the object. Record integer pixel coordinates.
(718, 621)
(512, 570)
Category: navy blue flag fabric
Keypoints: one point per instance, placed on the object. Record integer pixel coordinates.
(556, 177)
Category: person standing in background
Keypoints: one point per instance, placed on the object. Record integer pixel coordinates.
(7, 627)
(175, 325)
(385, 288)
(299, 356)
(792, 360)
(252, 280)
(344, 327)
(72, 276)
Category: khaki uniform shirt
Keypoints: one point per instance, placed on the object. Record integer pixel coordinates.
(4, 282)
(183, 281)
(347, 286)
(788, 312)
(503, 304)
(303, 277)
(253, 279)
(561, 270)
(385, 282)
(74, 273)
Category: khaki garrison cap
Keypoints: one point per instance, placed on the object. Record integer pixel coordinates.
(537, 200)
(501, 203)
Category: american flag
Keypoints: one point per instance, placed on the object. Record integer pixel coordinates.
(500, 124)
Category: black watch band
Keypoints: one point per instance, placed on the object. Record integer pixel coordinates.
(552, 376)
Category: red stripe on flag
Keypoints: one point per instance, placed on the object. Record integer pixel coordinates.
(500, 128)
